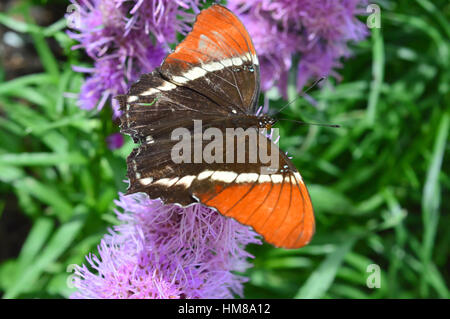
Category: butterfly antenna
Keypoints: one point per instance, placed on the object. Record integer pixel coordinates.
(306, 123)
(300, 95)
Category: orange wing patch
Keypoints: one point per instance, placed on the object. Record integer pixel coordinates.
(217, 35)
(282, 213)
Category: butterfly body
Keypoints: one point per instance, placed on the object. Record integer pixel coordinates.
(201, 140)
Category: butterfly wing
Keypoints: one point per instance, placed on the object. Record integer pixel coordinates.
(212, 73)
(154, 107)
(276, 204)
(218, 60)
(280, 211)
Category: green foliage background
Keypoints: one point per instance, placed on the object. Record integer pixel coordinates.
(380, 183)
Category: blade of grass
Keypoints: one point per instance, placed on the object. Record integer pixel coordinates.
(433, 10)
(36, 239)
(322, 278)
(18, 83)
(423, 25)
(41, 159)
(58, 243)
(17, 25)
(46, 56)
(10, 174)
(47, 194)
(377, 73)
(33, 95)
(326, 199)
(437, 281)
(55, 27)
(431, 198)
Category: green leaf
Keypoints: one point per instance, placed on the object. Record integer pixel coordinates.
(10, 174)
(378, 74)
(47, 194)
(431, 197)
(18, 25)
(35, 241)
(41, 159)
(326, 199)
(322, 278)
(25, 80)
(57, 245)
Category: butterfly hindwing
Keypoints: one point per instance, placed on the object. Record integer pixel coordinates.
(276, 204)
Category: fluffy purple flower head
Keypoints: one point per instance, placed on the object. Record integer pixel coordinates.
(164, 251)
(318, 31)
(125, 39)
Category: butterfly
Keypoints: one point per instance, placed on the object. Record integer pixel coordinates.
(213, 76)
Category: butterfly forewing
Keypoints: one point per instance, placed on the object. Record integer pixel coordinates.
(217, 59)
(154, 106)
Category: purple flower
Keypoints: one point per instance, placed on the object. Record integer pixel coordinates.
(125, 39)
(164, 251)
(316, 30)
(115, 141)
